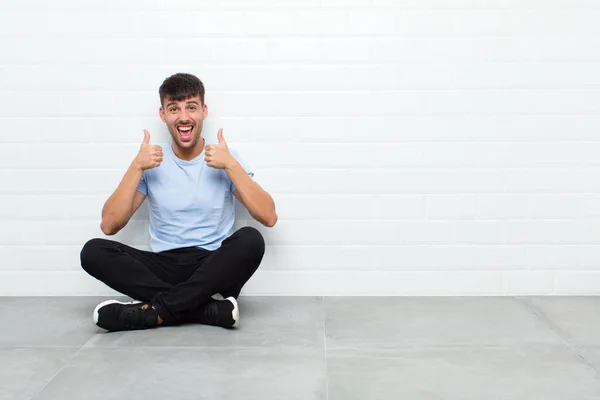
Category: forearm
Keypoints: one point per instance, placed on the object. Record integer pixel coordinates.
(259, 203)
(118, 208)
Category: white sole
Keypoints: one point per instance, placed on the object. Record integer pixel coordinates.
(99, 306)
(235, 313)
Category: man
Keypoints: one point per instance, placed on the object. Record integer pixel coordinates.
(198, 265)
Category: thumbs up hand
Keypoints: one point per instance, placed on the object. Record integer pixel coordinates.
(150, 155)
(218, 155)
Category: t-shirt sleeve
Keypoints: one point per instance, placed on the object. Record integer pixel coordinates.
(143, 185)
(245, 166)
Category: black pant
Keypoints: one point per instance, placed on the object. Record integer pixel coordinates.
(181, 282)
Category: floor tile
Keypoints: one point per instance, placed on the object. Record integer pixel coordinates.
(47, 321)
(535, 372)
(591, 355)
(397, 322)
(265, 322)
(578, 318)
(176, 373)
(25, 371)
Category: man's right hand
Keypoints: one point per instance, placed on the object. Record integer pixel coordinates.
(150, 155)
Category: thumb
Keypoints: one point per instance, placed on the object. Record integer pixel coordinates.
(146, 137)
(220, 136)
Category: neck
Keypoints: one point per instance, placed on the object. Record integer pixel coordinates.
(189, 153)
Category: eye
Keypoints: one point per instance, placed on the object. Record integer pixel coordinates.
(193, 108)
(172, 109)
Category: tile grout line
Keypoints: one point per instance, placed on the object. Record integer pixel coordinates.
(568, 342)
(295, 347)
(64, 365)
(29, 346)
(323, 310)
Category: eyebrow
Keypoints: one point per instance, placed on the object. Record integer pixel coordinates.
(187, 102)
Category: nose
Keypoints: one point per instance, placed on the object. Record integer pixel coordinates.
(184, 117)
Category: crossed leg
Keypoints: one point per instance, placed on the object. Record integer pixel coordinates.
(179, 284)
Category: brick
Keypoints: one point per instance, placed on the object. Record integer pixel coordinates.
(416, 147)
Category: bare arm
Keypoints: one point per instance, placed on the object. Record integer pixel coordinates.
(124, 202)
(257, 201)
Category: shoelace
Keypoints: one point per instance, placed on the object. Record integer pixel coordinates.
(211, 313)
(134, 317)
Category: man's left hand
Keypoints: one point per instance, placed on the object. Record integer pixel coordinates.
(218, 155)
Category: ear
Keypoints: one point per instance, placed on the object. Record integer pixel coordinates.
(204, 111)
(161, 112)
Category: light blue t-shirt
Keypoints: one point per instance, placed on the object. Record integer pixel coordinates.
(190, 203)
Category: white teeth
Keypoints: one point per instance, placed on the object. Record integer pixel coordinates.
(185, 128)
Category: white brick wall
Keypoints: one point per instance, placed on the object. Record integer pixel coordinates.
(413, 148)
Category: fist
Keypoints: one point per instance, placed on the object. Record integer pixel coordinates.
(150, 155)
(218, 155)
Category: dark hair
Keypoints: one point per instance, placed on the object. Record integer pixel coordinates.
(181, 86)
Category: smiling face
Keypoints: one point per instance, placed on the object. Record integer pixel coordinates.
(183, 110)
(184, 119)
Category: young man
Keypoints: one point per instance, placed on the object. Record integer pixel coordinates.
(198, 265)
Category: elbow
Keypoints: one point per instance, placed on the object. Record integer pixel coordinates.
(270, 220)
(267, 219)
(107, 229)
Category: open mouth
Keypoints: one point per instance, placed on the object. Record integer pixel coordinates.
(185, 132)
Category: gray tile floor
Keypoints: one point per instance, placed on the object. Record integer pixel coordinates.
(311, 348)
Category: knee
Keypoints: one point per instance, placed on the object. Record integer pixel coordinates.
(90, 254)
(253, 239)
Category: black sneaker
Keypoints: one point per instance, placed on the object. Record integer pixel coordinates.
(224, 313)
(114, 315)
